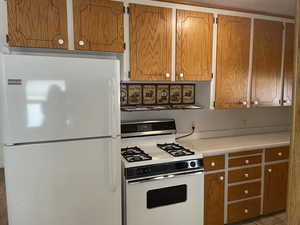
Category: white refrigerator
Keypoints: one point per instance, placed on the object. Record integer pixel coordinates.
(61, 119)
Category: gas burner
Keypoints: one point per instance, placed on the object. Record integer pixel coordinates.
(134, 154)
(175, 150)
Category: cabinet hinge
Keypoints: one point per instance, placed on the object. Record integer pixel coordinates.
(129, 75)
(124, 45)
(128, 10)
(7, 38)
(216, 20)
(214, 104)
(212, 76)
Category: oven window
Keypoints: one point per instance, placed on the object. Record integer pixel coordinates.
(166, 196)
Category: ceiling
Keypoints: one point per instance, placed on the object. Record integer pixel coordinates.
(283, 7)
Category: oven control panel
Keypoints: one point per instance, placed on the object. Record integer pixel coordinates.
(163, 168)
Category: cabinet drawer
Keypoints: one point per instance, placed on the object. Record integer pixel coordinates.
(242, 191)
(244, 161)
(243, 210)
(244, 174)
(245, 153)
(276, 154)
(214, 163)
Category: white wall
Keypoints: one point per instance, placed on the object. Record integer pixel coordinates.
(222, 122)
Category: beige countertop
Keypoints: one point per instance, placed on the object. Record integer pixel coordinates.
(215, 146)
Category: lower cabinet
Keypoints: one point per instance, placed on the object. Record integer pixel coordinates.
(3, 211)
(249, 184)
(214, 199)
(275, 188)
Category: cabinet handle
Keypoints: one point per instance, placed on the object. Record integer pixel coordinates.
(81, 43)
(246, 211)
(181, 75)
(255, 102)
(213, 164)
(168, 75)
(244, 103)
(221, 178)
(246, 175)
(270, 170)
(246, 192)
(247, 161)
(61, 41)
(279, 153)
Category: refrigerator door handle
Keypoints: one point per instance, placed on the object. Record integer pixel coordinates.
(114, 161)
(115, 107)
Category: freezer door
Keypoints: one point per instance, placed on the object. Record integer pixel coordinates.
(57, 98)
(72, 183)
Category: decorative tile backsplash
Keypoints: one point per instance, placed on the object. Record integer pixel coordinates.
(157, 94)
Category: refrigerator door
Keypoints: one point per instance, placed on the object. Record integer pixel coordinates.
(58, 98)
(70, 183)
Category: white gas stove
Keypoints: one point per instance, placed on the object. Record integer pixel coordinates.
(160, 177)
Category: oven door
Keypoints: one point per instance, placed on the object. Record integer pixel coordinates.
(173, 199)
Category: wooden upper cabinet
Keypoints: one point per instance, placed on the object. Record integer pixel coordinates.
(214, 195)
(150, 43)
(194, 46)
(275, 188)
(267, 60)
(37, 24)
(289, 64)
(232, 61)
(98, 25)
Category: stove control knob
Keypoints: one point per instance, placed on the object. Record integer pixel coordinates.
(146, 170)
(192, 164)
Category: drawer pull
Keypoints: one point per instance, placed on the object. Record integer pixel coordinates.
(246, 175)
(168, 75)
(246, 192)
(247, 161)
(213, 164)
(269, 170)
(246, 211)
(81, 43)
(279, 153)
(61, 41)
(221, 178)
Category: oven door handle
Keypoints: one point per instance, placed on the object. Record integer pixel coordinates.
(163, 177)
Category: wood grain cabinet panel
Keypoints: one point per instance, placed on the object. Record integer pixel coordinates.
(150, 43)
(214, 163)
(245, 153)
(37, 24)
(232, 61)
(243, 210)
(244, 174)
(98, 25)
(194, 45)
(241, 191)
(275, 154)
(275, 188)
(267, 56)
(3, 208)
(214, 189)
(244, 161)
(289, 64)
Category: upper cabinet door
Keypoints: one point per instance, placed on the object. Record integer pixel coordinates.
(150, 43)
(37, 24)
(232, 62)
(194, 46)
(98, 25)
(289, 64)
(267, 60)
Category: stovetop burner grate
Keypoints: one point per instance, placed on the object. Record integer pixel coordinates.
(175, 150)
(134, 154)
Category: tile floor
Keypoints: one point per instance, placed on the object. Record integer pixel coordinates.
(276, 219)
